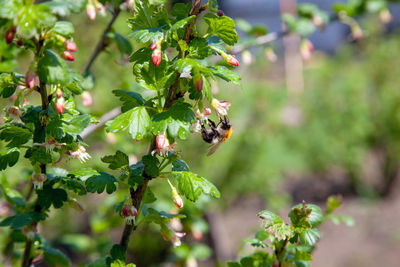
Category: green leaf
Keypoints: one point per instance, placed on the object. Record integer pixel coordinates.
(137, 120)
(310, 236)
(181, 10)
(145, 21)
(84, 173)
(148, 196)
(101, 262)
(274, 225)
(98, 183)
(332, 203)
(118, 252)
(180, 24)
(226, 74)
(12, 196)
(8, 84)
(64, 8)
(223, 27)
(153, 34)
(123, 44)
(315, 218)
(51, 196)
(179, 165)
(38, 154)
(151, 164)
(198, 48)
(149, 76)
(64, 28)
(158, 217)
(77, 124)
(116, 161)
(55, 257)
(31, 18)
(51, 69)
(9, 9)
(299, 217)
(74, 185)
(301, 26)
(176, 120)
(16, 135)
(54, 128)
(21, 220)
(302, 256)
(8, 158)
(192, 185)
(129, 99)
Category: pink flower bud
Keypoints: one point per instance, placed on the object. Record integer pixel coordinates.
(60, 105)
(177, 199)
(68, 56)
(59, 93)
(30, 79)
(162, 141)
(207, 111)
(87, 99)
(220, 13)
(306, 49)
(153, 46)
(70, 46)
(20, 42)
(156, 57)
(231, 60)
(10, 36)
(91, 11)
(198, 83)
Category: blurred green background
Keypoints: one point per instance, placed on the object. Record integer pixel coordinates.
(340, 136)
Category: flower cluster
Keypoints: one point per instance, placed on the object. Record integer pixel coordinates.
(38, 179)
(129, 212)
(80, 154)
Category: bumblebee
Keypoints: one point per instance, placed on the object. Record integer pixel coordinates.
(217, 134)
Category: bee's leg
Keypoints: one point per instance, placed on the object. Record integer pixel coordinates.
(211, 123)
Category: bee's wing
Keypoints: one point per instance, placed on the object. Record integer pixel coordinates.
(213, 148)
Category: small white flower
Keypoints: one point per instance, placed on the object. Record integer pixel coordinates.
(80, 154)
(203, 116)
(221, 107)
(38, 180)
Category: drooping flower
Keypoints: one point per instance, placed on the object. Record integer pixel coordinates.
(68, 56)
(220, 13)
(176, 238)
(70, 46)
(221, 107)
(196, 126)
(60, 105)
(156, 57)
(9, 36)
(87, 99)
(50, 145)
(385, 16)
(30, 79)
(129, 213)
(306, 49)
(14, 113)
(38, 180)
(80, 154)
(163, 146)
(203, 116)
(91, 10)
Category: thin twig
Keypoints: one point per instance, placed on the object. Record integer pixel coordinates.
(102, 44)
(103, 119)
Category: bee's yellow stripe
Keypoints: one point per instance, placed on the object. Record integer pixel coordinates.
(227, 135)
